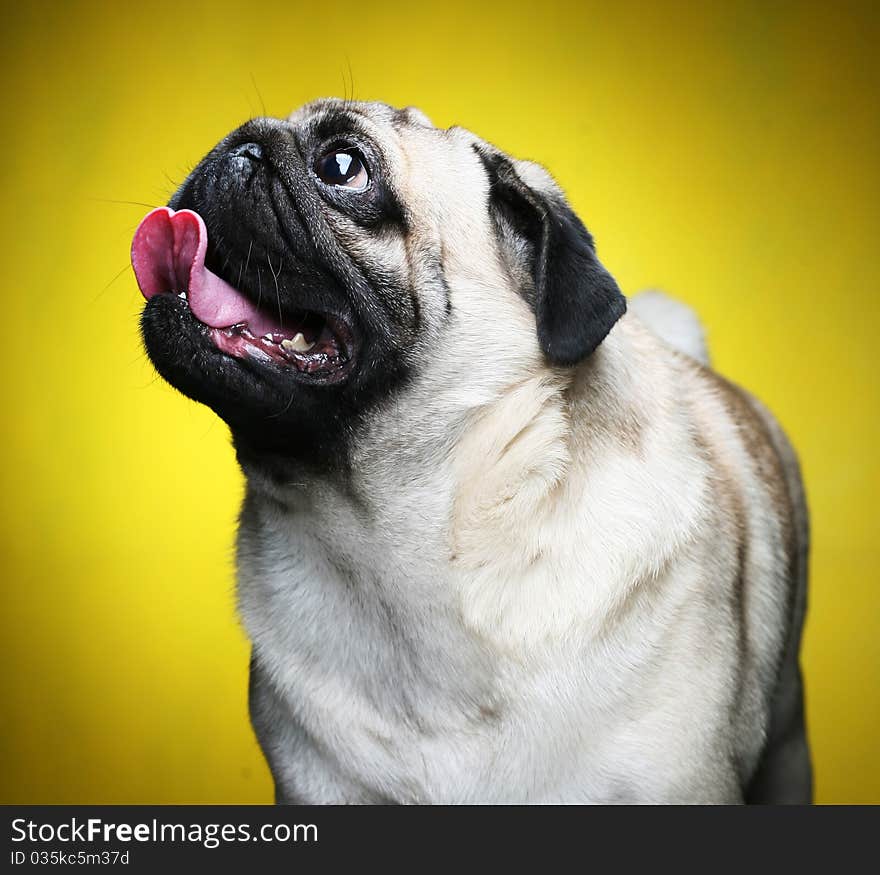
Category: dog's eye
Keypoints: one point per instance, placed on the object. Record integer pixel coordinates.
(343, 168)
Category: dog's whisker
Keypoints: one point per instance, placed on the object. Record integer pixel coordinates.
(248, 260)
(259, 95)
(286, 408)
(350, 77)
(277, 289)
(115, 278)
(107, 200)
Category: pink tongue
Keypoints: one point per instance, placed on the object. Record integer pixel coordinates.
(168, 255)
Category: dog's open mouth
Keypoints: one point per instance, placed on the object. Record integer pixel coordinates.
(168, 256)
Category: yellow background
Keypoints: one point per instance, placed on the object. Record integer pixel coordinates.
(725, 152)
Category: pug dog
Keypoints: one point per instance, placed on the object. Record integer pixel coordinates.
(503, 541)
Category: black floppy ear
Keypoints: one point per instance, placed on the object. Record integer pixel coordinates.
(576, 301)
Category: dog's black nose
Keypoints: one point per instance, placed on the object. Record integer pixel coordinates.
(243, 161)
(253, 151)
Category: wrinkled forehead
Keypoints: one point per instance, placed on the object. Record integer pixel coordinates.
(377, 119)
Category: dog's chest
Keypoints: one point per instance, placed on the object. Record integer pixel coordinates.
(379, 701)
(391, 683)
(452, 732)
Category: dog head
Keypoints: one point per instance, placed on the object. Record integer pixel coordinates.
(310, 269)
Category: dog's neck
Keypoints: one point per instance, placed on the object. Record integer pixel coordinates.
(429, 560)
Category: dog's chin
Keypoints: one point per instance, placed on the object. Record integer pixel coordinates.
(276, 399)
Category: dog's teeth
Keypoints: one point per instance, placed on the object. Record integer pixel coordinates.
(182, 295)
(298, 344)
